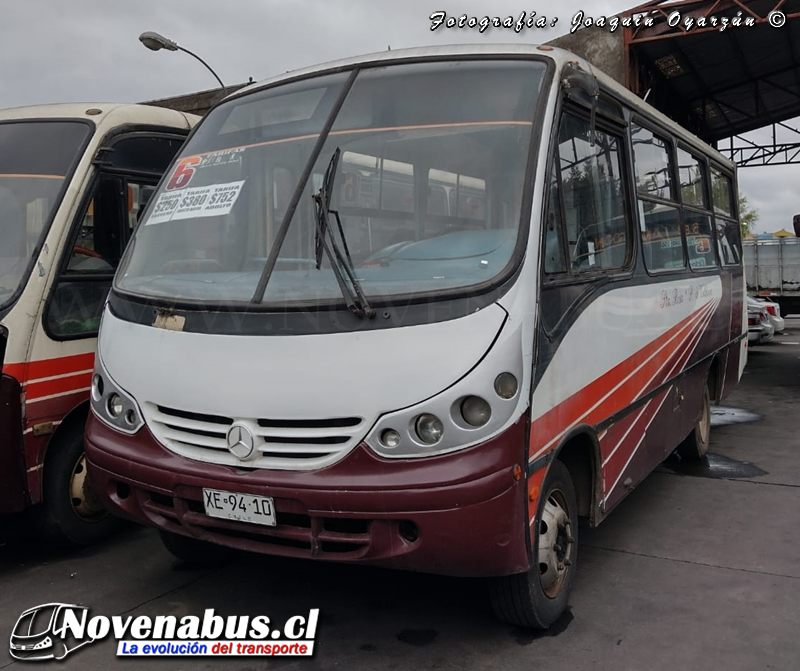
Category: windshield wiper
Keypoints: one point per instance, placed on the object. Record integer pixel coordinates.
(325, 241)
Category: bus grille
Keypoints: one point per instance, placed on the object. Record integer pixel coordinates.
(289, 444)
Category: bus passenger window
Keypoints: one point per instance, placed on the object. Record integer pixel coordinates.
(692, 175)
(651, 158)
(699, 240)
(721, 193)
(661, 237)
(728, 231)
(729, 245)
(597, 226)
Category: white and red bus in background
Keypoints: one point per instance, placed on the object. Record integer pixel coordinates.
(73, 179)
(422, 309)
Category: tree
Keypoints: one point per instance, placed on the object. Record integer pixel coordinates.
(748, 216)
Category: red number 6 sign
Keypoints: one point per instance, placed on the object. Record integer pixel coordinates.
(183, 173)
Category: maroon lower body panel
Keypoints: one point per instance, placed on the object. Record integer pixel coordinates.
(13, 492)
(461, 514)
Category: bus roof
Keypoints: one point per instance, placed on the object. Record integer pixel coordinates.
(103, 114)
(560, 57)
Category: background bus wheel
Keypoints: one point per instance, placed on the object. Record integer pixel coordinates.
(72, 513)
(695, 445)
(539, 597)
(194, 551)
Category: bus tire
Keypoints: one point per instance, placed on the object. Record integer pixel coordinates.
(538, 597)
(194, 551)
(73, 516)
(695, 445)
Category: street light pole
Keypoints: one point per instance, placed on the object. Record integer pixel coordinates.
(155, 42)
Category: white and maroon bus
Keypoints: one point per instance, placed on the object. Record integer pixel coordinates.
(422, 309)
(73, 179)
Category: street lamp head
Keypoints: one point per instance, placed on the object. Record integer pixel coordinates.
(154, 41)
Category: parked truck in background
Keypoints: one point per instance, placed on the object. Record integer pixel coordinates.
(772, 269)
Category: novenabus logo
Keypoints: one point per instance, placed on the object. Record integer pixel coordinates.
(43, 632)
(53, 630)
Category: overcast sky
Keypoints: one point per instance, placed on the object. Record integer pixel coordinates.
(88, 50)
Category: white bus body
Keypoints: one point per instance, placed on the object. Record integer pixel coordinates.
(385, 376)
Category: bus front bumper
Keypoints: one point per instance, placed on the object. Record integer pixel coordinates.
(461, 514)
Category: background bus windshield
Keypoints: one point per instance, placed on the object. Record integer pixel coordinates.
(35, 159)
(428, 187)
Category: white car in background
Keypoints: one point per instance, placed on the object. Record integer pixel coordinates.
(759, 327)
(774, 312)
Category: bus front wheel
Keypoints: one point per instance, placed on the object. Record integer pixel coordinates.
(538, 597)
(73, 516)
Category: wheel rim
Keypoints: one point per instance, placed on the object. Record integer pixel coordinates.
(555, 544)
(84, 503)
(705, 421)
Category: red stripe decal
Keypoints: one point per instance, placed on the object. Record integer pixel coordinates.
(36, 370)
(60, 385)
(628, 381)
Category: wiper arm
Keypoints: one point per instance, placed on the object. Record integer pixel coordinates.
(324, 241)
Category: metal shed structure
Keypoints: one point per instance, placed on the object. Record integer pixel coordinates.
(720, 68)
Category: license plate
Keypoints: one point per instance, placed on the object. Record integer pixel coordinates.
(239, 507)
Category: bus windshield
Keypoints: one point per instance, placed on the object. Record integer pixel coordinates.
(425, 196)
(36, 157)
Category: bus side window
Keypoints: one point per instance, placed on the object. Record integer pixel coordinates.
(97, 245)
(699, 240)
(729, 245)
(597, 225)
(728, 231)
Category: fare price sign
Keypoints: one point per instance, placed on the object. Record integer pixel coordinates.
(200, 201)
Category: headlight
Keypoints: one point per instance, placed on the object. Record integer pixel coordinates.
(111, 404)
(505, 385)
(97, 387)
(114, 405)
(429, 429)
(475, 411)
(390, 438)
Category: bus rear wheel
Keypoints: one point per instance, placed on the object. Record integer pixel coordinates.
(695, 445)
(73, 516)
(538, 597)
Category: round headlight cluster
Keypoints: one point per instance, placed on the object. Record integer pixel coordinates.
(114, 406)
(450, 421)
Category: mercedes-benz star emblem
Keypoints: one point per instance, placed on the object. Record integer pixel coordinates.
(241, 443)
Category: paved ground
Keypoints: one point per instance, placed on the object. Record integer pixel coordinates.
(698, 569)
